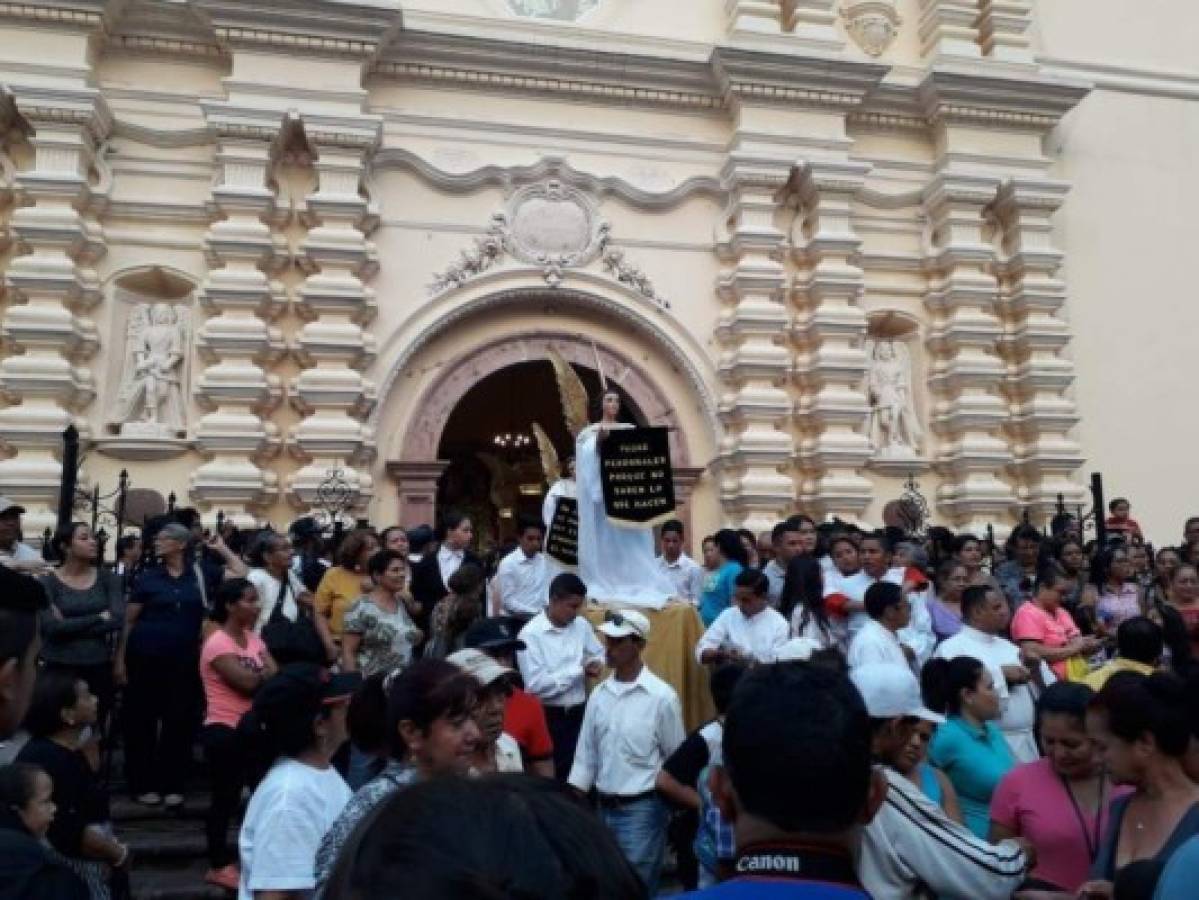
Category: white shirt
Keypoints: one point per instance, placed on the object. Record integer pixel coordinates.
(288, 815)
(448, 561)
(919, 633)
(20, 553)
(687, 576)
(523, 583)
(628, 731)
(553, 660)
(777, 576)
(1017, 705)
(759, 637)
(912, 849)
(268, 587)
(875, 643)
(853, 587)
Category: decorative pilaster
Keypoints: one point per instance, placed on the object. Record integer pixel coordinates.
(755, 364)
(51, 284)
(949, 28)
(965, 371)
(814, 19)
(830, 332)
(333, 348)
(1003, 29)
(237, 341)
(1033, 296)
(760, 16)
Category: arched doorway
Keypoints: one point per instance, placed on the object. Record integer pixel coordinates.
(494, 471)
(446, 418)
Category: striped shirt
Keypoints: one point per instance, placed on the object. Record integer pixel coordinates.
(911, 848)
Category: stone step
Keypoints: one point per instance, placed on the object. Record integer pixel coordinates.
(125, 809)
(179, 880)
(167, 839)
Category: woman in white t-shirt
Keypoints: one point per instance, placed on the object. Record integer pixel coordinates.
(300, 717)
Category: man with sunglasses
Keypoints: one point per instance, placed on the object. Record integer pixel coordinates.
(633, 723)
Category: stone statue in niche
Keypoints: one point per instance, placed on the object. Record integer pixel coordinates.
(894, 429)
(149, 403)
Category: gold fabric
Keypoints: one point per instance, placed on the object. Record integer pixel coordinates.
(670, 654)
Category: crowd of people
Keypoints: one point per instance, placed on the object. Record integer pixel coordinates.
(394, 714)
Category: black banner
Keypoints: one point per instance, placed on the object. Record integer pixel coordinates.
(562, 541)
(636, 477)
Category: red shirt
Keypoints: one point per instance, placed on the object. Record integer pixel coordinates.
(524, 719)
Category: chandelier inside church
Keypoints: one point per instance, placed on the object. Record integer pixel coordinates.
(509, 440)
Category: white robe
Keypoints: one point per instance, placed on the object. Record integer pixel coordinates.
(618, 565)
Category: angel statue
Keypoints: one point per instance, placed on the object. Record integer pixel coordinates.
(616, 563)
(894, 429)
(150, 398)
(559, 475)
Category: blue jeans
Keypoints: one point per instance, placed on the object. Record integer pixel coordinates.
(640, 832)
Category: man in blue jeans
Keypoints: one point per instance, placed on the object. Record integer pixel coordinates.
(632, 723)
(796, 782)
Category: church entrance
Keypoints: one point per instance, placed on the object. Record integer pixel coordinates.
(494, 471)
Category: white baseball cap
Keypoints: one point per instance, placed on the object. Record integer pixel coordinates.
(890, 691)
(479, 666)
(625, 623)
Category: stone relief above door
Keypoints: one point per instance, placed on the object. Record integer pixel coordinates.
(561, 10)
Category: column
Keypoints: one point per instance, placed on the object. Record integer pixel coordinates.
(51, 285)
(1003, 29)
(830, 332)
(814, 19)
(949, 28)
(416, 483)
(333, 349)
(966, 373)
(237, 342)
(1033, 296)
(755, 365)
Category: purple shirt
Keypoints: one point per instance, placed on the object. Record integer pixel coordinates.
(946, 623)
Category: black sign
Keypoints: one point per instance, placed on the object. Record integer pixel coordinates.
(562, 542)
(636, 477)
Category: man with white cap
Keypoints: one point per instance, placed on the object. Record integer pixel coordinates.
(911, 848)
(13, 553)
(632, 723)
(495, 751)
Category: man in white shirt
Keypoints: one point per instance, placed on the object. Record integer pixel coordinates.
(633, 722)
(911, 849)
(878, 641)
(985, 615)
(15, 554)
(684, 572)
(561, 652)
(749, 630)
(521, 584)
(786, 542)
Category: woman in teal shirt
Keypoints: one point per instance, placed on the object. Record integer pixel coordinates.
(718, 586)
(968, 748)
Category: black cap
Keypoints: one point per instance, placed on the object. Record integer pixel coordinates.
(300, 685)
(493, 634)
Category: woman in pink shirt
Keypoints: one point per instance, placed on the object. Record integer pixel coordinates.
(233, 665)
(1043, 627)
(1061, 804)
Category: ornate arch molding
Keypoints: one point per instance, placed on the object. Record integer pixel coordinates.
(590, 294)
(423, 435)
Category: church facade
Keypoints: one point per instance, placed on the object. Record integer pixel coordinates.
(257, 253)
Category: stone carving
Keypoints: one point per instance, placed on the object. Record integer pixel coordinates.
(563, 10)
(550, 225)
(149, 403)
(873, 24)
(894, 429)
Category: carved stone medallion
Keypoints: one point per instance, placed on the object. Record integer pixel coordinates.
(550, 224)
(562, 10)
(873, 24)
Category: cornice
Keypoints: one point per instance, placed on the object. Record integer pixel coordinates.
(1030, 101)
(85, 14)
(483, 61)
(339, 27)
(751, 74)
(229, 120)
(548, 167)
(53, 105)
